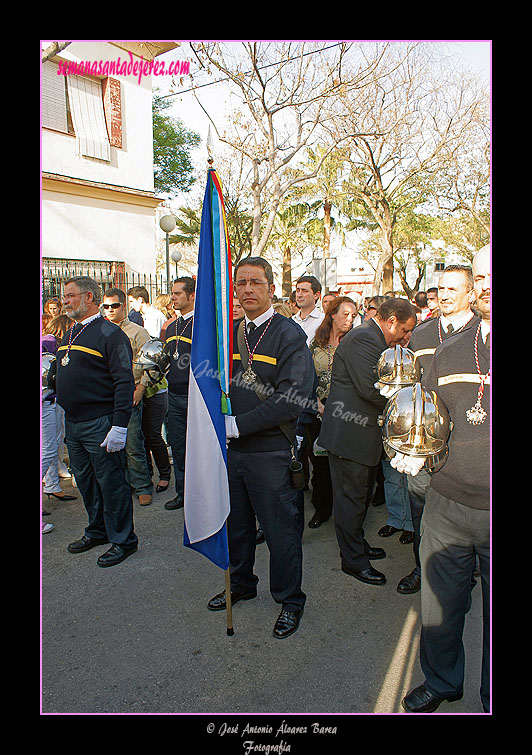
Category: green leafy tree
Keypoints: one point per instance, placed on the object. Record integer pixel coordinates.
(172, 142)
(288, 234)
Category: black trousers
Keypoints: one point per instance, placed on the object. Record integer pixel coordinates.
(259, 486)
(101, 480)
(452, 536)
(155, 410)
(322, 497)
(353, 485)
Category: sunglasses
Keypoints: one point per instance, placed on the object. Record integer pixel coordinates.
(112, 306)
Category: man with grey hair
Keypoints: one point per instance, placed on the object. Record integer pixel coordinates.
(455, 528)
(95, 386)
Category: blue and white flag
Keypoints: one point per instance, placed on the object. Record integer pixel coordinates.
(206, 490)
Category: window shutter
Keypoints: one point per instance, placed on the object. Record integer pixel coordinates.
(54, 104)
(113, 111)
(86, 105)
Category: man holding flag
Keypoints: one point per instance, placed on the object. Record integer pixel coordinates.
(271, 352)
(251, 477)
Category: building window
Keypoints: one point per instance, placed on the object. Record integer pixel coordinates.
(55, 107)
(89, 108)
(439, 266)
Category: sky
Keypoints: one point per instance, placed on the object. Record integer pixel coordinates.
(472, 55)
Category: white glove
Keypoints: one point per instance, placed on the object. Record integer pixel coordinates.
(386, 390)
(407, 464)
(231, 428)
(115, 440)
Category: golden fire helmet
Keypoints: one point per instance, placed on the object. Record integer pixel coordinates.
(416, 423)
(398, 367)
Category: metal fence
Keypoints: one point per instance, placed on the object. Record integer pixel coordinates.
(56, 272)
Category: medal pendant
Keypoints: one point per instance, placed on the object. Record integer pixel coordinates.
(176, 355)
(476, 415)
(65, 360)
(249, 376)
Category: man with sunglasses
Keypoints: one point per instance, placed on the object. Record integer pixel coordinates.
(115, 309)
(94, 385)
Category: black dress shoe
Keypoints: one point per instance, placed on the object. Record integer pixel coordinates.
(161, 488)
(64, 497)
(375, 553)
(86, 543)
(287, 623)
(316, 521)
(218, 603)
(409, 584)
(420, 700)
(407, 537)
(388, 530)
(175, 503)
(370, 575)
(115, 555)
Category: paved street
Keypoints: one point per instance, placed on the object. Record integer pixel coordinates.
(138, 638)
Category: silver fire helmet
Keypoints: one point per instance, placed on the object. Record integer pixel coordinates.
(416, 423)
(397, 366)
(47, 361)
(153, 356)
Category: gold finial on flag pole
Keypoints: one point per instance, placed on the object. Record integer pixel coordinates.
(210, 159)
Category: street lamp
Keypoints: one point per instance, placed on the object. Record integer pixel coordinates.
(167, 224)
(176, 256)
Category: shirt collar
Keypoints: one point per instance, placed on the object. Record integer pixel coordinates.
(258, 321)
(484, 329)
(90, 319)
(188, 315)
(378, 325)
(314, 313)
(457, 324)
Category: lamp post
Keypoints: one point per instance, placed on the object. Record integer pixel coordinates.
(167, 224)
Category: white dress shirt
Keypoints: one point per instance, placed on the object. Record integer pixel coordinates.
(310, 323)
(258, 321)
(457, 324)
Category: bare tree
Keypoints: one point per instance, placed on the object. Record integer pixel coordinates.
(464, 188)
(421, 117)
(284, 90)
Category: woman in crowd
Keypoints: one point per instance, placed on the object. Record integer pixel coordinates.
(52, 306)
(337, 322)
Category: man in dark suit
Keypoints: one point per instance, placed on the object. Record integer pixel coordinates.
(350, 432)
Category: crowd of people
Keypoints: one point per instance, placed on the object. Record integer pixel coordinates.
(304, 393)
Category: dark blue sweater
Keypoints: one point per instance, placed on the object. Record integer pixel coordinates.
(284, 365)
(453, 375)
(179, 334)
(98, 378)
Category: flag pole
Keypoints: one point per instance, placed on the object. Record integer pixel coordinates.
(228, 605)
